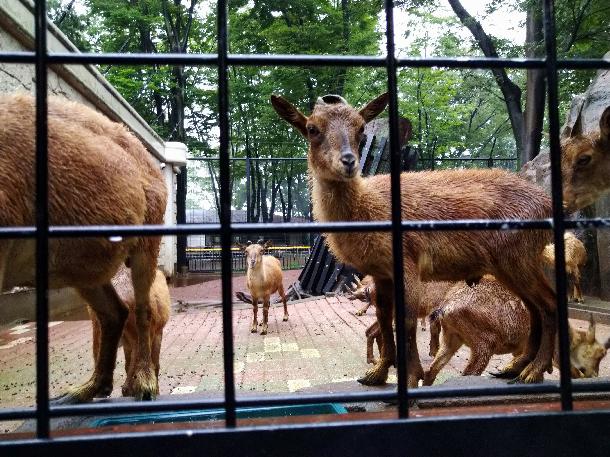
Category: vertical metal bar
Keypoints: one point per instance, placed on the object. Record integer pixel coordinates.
(248, 190)
(181, 190)
(395, 172)
(42, 225)
(558, 222)
(225, 213)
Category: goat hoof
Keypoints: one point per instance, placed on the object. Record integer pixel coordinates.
(376, 376)
(65, 399)
(359, 313)
(504, 374)
(253, 329)
(285, 318)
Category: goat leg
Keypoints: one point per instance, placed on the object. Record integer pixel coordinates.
(143, 382)
(265, 316)
(110, 315)
(378, 374)
(253, 328)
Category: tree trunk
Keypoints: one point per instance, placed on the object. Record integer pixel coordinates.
(510, 91)
(535, 88)
(342, 71)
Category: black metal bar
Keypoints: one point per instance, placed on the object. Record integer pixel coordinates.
(225, 214)
(193, 59)
(248, 188)
(274, 227)
(124, 407)
(253, 159)
(483, 435)
(397, 251)
(464, 159)
(181, 241)
(42, 224)
(58, 231)
(558, 222)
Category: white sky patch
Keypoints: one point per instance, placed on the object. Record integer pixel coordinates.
(505, 22)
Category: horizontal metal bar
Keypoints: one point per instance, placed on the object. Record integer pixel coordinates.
(107, 408)
(60, 231)
(304, 60)
(500, 435)
(465, 159)
(270, 159)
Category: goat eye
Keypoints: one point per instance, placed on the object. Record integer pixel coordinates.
(583, 160)
(312, 130)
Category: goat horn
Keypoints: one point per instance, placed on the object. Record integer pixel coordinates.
(330, 99)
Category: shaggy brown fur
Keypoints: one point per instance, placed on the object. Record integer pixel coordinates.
(99, 174)
(491, 320)
(334, 131)
(576, 258)
(160, 303)
(263, 278)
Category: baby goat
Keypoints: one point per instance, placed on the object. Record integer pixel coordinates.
(339, 193)
(431, 295)
(99, 174)
(491, 320)
(160, 308)
(264, 277)
(576, 257)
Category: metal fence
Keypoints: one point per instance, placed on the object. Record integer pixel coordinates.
(208, 260)
(562, 433)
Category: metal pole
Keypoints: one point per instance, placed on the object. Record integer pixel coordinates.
(397, 252)
(181, 240)
(42, 226)
(558, 222)
(225, 214)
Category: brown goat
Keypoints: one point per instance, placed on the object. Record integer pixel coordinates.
(576, 257)
(99, 174)
(339, 193)
(491, 320)
(263, 278)
(431, 295)
(160, 308)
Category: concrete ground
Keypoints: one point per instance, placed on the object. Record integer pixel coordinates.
(322, 343)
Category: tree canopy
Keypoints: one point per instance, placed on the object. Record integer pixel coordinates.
(455, 113)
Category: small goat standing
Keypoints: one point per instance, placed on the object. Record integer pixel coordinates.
(264, 277)
(576, 257)
(491, 320)
(160, 303)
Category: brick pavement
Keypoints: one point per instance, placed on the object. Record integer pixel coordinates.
(322, 343)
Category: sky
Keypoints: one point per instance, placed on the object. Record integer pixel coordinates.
(503, 23)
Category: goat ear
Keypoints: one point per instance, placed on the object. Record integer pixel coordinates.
(240, 246)
(591, 331)
(604, 126)
(289, 113)
(374, 107)
(268, 244)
